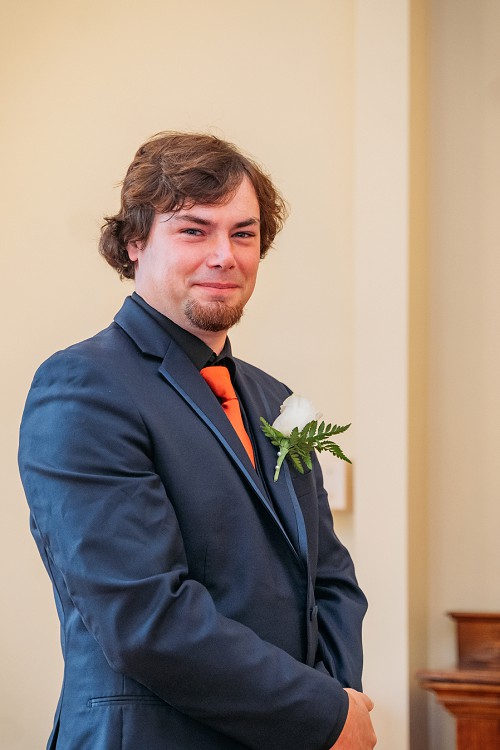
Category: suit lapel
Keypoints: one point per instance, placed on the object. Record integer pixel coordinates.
(178, 370)
(182, 375)
(282, 491)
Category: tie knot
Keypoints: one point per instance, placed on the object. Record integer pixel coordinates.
(219, 380)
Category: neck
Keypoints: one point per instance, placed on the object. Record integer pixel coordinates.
(214, 339)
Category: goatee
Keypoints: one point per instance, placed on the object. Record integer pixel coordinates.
(213, 316)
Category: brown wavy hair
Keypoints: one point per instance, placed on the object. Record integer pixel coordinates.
(173, 170)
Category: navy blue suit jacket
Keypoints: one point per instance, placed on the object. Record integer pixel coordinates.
(202, 605)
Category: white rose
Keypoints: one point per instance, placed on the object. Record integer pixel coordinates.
(296, 411)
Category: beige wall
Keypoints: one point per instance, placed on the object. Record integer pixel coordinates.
(382, 344)
(464, 403)
(395, 305)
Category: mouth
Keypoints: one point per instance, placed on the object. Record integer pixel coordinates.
(216, 285)
(217, 289)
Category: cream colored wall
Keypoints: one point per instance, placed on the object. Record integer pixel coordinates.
(383, 346)
(418, 368)
(427, 318)
(464, 406)
(83, 84)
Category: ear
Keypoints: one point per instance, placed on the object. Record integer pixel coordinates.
(134, 248)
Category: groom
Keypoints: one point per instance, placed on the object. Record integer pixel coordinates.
(202, 605)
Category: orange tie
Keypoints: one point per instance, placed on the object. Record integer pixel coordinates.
(219, 380)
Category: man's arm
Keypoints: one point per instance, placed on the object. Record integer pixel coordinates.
(341, 603)
(341, 608)
(106, 522)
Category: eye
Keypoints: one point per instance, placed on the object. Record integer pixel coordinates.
(191, 231)
(244, 235)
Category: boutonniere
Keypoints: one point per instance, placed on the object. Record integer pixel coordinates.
(296, 433)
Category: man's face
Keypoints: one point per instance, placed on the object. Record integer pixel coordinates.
(199, 265)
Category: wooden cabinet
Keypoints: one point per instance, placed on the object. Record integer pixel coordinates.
(473, 697)
(471, 692)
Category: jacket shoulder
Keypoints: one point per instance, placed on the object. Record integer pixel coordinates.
(95, 350)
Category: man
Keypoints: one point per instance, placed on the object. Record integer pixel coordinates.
(202, 604)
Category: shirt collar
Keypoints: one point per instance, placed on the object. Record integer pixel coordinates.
(200, 354)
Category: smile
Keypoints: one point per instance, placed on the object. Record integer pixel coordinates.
(216, 285)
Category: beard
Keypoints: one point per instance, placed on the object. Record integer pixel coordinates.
(213, 316)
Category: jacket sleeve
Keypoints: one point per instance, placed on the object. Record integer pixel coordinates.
(107, 525)
(341, 603)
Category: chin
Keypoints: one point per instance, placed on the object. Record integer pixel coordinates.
(213, 316)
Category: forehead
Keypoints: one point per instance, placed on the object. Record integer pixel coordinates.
(243, 199)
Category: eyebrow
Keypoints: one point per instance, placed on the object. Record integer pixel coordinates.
(206, 222)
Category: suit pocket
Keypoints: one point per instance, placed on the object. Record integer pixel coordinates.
(128, 722)
(124, 700)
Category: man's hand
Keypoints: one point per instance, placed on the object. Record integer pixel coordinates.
(357, 733)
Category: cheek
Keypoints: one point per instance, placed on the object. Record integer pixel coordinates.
(252, 269)
(185, 263)
(173, 268)
(175, 273)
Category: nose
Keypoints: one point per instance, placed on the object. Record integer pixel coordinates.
(221, 253)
